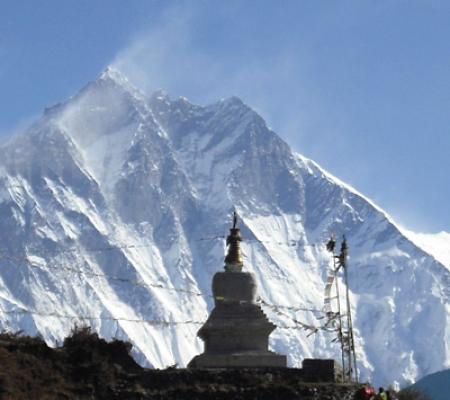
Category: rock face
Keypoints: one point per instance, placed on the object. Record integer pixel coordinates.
(236, 334)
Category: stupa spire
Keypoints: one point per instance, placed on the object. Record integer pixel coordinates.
(233, 259)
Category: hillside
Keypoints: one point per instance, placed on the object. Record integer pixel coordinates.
(87, 367)
(436, 386)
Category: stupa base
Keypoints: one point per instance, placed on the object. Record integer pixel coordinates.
(239, 360)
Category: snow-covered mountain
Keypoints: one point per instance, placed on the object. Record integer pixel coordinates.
(112, 208)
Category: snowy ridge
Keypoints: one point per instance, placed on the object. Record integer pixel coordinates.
(111, 211)
(438, 244)
(315, 168)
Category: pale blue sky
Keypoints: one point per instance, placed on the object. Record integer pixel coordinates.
(361, 87)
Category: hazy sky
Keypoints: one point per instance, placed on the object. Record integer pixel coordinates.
(361, 87)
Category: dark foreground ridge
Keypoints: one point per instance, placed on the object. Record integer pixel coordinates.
(87, 367)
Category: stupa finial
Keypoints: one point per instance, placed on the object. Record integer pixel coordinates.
(233, 259)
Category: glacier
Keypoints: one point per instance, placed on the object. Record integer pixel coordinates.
(113, 209)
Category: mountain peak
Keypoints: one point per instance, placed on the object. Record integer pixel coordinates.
(113, 74)
(113, 77)
(232, 101)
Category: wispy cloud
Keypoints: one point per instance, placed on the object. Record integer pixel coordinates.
(165, 57)
(171, 56)
(20, 126)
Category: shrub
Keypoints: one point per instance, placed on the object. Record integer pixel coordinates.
(412, 394)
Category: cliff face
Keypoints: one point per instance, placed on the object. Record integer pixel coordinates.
(112, 208)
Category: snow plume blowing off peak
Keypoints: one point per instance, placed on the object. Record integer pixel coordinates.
(112, 211)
